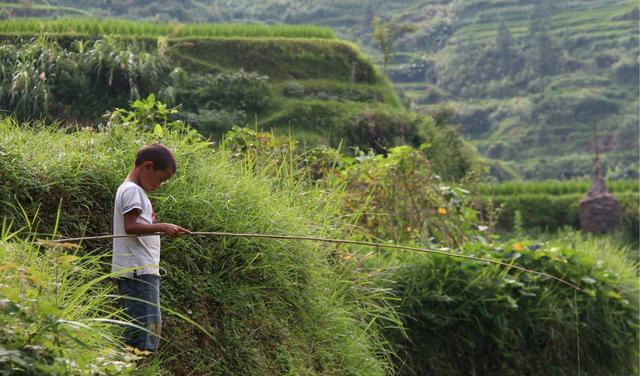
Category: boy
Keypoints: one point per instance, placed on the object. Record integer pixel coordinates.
(133, 214)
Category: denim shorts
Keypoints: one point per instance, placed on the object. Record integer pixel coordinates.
(143, 309)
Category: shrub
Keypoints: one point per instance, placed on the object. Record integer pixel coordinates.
(579, 106)
(215, 122)
(39, 78)
(397, 196)
(626, 71)
(468, 318)
(241, 91)
(378, 129)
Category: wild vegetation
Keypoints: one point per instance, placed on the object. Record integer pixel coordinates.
(465, 318)
(330, 152)
(528, 80)
(56, 317)
(337, 100)
(238, 306)
(262, 307)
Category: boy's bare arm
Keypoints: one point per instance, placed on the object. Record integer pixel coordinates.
(132, 226)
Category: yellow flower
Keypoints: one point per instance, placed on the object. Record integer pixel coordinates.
(518, 246)
(442, 211)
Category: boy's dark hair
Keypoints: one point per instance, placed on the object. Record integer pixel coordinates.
(159, 154)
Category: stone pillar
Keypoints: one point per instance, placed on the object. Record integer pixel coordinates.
(600, 211)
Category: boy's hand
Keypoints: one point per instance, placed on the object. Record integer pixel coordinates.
(174, 230)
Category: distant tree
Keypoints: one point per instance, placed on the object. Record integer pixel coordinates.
(386, 33)
(508, 59)
(462, 73)
(546, 59)
(544, 53)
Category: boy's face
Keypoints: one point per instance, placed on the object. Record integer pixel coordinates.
(150, 178)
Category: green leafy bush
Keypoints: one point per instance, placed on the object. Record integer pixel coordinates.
(397, 196)
(238, 91)
(215, 122)
(378, 130)
(465, 317)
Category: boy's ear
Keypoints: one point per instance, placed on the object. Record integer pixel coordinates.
(147, 165)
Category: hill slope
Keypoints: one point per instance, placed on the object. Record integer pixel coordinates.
(297, 80)
(572, 66)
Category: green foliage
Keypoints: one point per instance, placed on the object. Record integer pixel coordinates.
(465, 318)
(214, 104)
(572, 71)
(552, 212)
(280, 58)
(56, 316)
(146, 114)
(386, 34)
(271, 307)
(215, 123)
(553, 204)
(397, 196)
(377, 128)
(39, 78)
(211, 85)
(518, 224)
(449, 155)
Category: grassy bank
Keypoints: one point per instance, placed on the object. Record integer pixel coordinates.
(266, 307)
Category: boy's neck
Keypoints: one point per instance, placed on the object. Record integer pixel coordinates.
(134, 177)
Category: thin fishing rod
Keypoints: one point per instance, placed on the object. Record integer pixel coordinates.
(326, 240)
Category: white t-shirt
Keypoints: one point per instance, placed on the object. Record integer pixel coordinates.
(142, 252)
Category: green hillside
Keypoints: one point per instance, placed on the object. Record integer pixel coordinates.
(296, 80)
(566, 68)
(289, 130)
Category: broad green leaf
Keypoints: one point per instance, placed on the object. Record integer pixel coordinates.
(158, 131)
(48, 308)
(38, 278)
(613, 294)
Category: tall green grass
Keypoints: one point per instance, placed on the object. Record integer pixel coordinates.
(95, 27)
(273, 307)
(57, 314)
